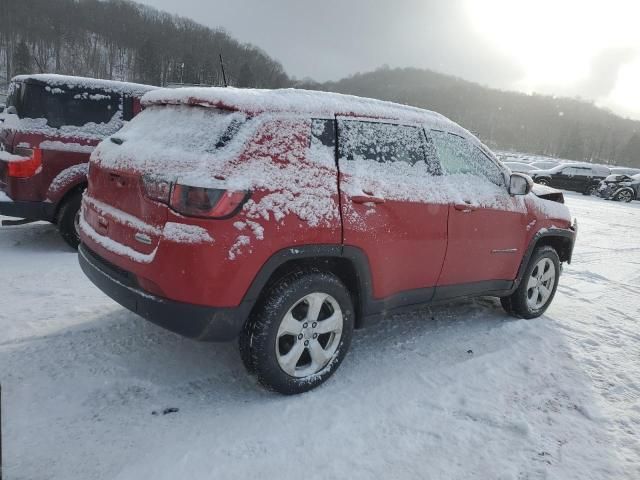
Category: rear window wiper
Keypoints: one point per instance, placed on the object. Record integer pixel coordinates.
(229, 133)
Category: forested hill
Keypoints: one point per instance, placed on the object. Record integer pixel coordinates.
(559, 127)
(122, 40)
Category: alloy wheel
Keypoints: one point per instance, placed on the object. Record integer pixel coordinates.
(625, 196)
(540, 284)
(309, 335)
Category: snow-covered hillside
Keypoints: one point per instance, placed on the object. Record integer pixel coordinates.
(454, 392)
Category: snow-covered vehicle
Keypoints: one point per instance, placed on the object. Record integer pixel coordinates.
(625, 171)
(48, 130)
(288, 218)
(519, 167)
(622, 188)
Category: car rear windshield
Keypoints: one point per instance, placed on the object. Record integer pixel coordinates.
(171, 137)
(61, 105)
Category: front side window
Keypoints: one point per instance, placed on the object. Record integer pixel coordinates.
(458, 156)
(577, 172)
(385, 143)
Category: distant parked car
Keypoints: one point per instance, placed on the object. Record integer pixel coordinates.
(51, 125)
(545, 164)
(519, 167)
(622, 188)
(625, 171)
(578, 177)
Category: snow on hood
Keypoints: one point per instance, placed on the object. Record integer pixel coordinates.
(541, 190)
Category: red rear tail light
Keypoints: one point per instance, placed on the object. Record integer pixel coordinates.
(206, 202)
(28, 167)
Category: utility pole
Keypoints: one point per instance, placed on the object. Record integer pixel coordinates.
(224, 75)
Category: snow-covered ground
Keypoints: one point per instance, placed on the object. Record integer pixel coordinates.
(454, 392)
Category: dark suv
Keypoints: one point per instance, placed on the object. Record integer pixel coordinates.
(288, 218)
(48, 130)
(578, 177)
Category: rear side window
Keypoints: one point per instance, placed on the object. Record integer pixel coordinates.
(65, 106)
(385, 143)
(323, 133)
(577, 172)
(458, 156)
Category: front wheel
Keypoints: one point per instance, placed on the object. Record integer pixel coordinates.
(590, 190)
(68, 220)
(543, 181)
(299, 333)
(623, 196)
(537, 287)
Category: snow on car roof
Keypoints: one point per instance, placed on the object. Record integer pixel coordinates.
(86, 82)
(292, 100)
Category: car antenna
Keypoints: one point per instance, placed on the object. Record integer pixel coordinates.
(224, 75)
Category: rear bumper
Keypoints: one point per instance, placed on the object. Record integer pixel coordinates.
(29, 210)
(193, 321)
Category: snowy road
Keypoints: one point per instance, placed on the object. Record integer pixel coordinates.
(455, 392)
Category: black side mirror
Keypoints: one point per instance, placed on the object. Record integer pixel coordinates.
(520, 184)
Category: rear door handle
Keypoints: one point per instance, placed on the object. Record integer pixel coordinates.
(465, 207)
(366, 199)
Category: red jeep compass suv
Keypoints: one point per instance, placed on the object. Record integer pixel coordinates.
(50, 126)
(288, 218)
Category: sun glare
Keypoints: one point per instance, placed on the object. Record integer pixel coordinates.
(555, 41)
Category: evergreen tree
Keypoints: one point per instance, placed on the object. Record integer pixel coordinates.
(631, 151)
(22, 59)
(148, 64)
(246, 78)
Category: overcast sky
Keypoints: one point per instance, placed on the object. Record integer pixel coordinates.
(565, 47)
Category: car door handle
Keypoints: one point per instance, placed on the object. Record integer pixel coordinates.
(366, 199)
(465, 207)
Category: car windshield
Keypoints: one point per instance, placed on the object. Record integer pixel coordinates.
(616, 178)
(62, 106)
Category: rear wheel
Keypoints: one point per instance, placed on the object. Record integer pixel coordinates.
(300, 332)
(623, 196)
(69, 218)
(537, 287)
(543, 181)
(590, 190)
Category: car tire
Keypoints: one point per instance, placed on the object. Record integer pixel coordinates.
(68, 217)
(285, 342)
(537, 287)
(590, 190)
(544, 182)
(624, 196)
